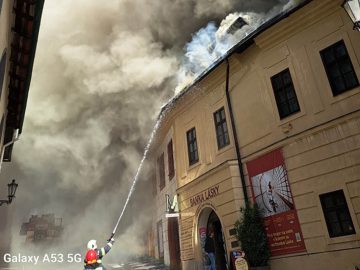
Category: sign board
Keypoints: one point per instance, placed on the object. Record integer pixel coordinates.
(172, 209)
(271, 191)
(209, 193)
(172, 215)
(235, 254)
(241, 264)
(205, 258)
(202, 232)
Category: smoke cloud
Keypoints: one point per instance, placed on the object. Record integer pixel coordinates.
(211, 42)
(103, 69)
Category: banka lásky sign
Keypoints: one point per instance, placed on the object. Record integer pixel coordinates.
(271, 191)
(204, 196)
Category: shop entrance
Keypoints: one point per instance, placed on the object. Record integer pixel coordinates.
(210, 222)
(174, 243)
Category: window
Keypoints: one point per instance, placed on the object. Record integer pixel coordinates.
(161, 171)
(339, 68)
(192, 146)
(1, 127)
(285, 95)
(2, 70)
(1, 133)
(160, 239)
(170, 153)
(154, 186)
(336, 212)
(222, 134)
(1, 1)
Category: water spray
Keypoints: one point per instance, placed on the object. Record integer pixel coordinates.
(218, 42)
(136, 177)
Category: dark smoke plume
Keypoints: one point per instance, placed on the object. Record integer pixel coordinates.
(102, 71)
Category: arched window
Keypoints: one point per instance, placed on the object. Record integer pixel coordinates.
(2, 70)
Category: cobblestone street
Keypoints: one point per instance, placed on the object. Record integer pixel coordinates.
(140, 264)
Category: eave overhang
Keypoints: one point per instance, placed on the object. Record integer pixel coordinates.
(25, 30)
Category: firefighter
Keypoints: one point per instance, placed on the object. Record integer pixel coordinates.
(94, 254)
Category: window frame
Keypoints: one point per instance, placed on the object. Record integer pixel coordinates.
(160, 240)
(192, 141)
(284, 86)
(224, 134)
(171, 165)
(326, 212)
(346, 57)
(154, 183)
(2, 123)
(161, 171)
(3, 61)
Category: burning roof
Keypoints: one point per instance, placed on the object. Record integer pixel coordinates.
(239, 47)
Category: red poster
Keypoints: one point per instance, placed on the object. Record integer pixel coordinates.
(271, 191)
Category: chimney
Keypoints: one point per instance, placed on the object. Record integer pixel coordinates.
(236, 25)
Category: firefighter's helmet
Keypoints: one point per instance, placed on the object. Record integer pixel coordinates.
(92, 244)
(91, 256)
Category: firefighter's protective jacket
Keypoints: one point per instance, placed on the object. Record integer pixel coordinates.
(100, 253)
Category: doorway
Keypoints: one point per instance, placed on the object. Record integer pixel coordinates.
(214, 225)
(209, 221)
(174, 243)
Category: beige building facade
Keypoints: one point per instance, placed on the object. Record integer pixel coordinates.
(289, 129)
(164, 234)
(320, 141)
(214, 175)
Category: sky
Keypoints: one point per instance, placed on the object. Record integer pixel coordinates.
(102, 71)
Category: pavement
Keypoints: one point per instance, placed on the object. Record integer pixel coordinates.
(139, 264)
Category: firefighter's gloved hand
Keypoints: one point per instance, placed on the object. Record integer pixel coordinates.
(111, 240)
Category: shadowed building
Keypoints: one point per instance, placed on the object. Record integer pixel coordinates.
(276, 121)
(19, 27)
(42, 228)
(163, 238)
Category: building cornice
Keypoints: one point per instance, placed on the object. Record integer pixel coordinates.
(192, 183)
(304, 18)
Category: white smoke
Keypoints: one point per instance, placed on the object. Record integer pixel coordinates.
(211, 43)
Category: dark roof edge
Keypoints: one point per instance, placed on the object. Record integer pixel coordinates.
(241, 46)
(37, 22)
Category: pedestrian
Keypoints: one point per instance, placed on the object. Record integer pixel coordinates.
(210, 250)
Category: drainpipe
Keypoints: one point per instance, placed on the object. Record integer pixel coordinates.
(13, 140)
(242, 177)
